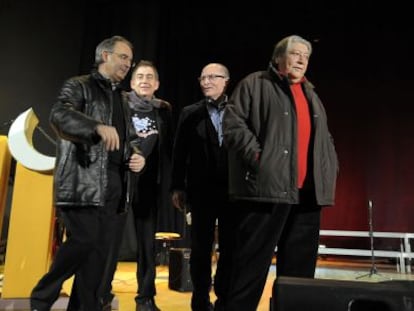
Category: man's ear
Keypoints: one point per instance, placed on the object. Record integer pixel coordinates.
(105, 55)
(157, 85)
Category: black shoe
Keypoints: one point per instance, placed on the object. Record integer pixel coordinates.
(37, 306)
(147, 304)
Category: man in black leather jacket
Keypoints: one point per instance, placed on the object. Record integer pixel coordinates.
(94, 158)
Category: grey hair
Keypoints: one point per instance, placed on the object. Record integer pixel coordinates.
(108, 45)
(283, 46)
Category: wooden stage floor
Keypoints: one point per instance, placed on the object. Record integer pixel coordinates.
(124, 283)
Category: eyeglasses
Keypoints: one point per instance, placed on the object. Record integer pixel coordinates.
(211, 77)
(124, 57)
(298, 54)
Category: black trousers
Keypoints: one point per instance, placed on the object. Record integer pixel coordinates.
(115, 230)
(258, 229)
(144, 208)
(88, 253)
(206, 215)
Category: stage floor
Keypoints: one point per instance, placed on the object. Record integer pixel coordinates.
(125, 285)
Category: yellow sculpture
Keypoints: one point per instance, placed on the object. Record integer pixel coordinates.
(30, 234)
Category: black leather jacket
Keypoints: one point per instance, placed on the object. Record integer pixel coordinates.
(80, 177)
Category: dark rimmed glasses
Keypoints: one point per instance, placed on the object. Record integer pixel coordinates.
(211, 77)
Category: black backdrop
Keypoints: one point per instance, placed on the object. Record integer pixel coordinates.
(362, 67)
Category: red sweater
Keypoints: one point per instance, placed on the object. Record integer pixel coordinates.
(303, 130)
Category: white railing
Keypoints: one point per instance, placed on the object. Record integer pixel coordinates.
(403, 256)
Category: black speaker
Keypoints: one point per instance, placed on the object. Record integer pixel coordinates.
(179, 278)
(294, 294)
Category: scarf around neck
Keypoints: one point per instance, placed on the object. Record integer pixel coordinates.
(140, 104)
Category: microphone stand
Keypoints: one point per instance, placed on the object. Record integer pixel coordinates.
(50, 139)
(373, 270)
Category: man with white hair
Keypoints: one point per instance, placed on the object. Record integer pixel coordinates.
(282, 170)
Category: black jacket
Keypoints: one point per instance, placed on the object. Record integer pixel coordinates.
(259, 126)
(80, 177)
(196, 156)
(157, 173)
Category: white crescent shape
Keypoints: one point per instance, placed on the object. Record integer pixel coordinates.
(20, 140)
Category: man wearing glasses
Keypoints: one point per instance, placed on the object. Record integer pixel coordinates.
(199, 180)
(96, 152)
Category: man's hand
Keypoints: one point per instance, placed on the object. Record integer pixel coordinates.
(109, 136)
(136, 162)
(178, 199)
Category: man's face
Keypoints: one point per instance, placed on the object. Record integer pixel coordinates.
(213, 81)
(118, 62)
(144, 82)
(295, 63)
